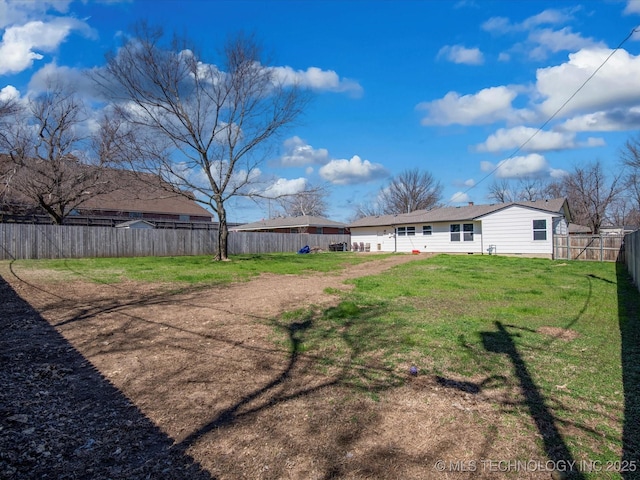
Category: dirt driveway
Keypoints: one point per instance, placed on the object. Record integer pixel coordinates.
(219, 383)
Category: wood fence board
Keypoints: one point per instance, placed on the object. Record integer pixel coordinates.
(33, 241)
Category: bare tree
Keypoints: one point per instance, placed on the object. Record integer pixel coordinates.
(409, 191)
(520, 190)
(311, 201)
(204, 129)
(49, 162)
(501, 191)
(371, 209)
(590, 194)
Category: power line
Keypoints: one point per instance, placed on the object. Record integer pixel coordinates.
(566, 102)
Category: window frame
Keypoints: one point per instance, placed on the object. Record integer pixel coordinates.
(461, 232)
(427, 230)
(539, 231)
(406, 231)
(454, 232)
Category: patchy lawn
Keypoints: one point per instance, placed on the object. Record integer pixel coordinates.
(307, 375)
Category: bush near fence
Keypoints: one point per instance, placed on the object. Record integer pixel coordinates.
(24, 241)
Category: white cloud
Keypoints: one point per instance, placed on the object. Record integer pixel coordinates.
(554, 41)
(282, 186)
(72, 77)
(348, 172)
(470, 182)
(317, 79)
(511, 138)
(487, 106)
(9, 93)
(19, 12)
(21, 45)
(460, 197)
(533, 165)
(461, 54)
(614, 86)
(632, 7)
(300, 153)
(557, 173)
(502, 25)
(619, 119)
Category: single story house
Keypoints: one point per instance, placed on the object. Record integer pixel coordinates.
(141, 197)
(127, 196)
(514, 228)
(301, 224)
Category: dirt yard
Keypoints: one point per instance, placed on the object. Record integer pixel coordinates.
(133, 381)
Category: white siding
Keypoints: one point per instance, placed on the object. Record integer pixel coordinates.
(511, 231)
(438, 242)
(381, 239)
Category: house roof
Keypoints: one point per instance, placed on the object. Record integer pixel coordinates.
(575, 228)
(291, 222)
(458, 214)
(143, 193)
(131, 223)
(128, 192)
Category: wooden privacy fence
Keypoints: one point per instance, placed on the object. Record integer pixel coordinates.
(602, 248)
(25, 241)
(632, 256)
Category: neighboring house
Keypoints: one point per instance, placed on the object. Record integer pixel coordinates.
(517, 228)
(302, 224)
(141, 197)
(575, 229)
(132, 197)
(136, 224)
(618, 230)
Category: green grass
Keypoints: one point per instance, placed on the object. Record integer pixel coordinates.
(467, 320)
(477, 319)
(196, 270)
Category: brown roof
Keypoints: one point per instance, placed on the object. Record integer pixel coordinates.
(134, 192)
(457, 214)
(143, 193)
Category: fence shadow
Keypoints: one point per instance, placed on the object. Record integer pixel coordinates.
(555, 447)
(60, 418)
(628, 311)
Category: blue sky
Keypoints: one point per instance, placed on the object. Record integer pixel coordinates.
(449, 87)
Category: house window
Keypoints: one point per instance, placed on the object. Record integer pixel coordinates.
(426, 230)
(466, 229)
(455, 232)
(184, 218)
(539, 229)
(406, 231)
(319, 230)
(135, 214)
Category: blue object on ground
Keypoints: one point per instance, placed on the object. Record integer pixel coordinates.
(305, 249)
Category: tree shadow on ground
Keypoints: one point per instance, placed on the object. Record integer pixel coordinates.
(60, 418)
(628, 311)
(555, 447)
